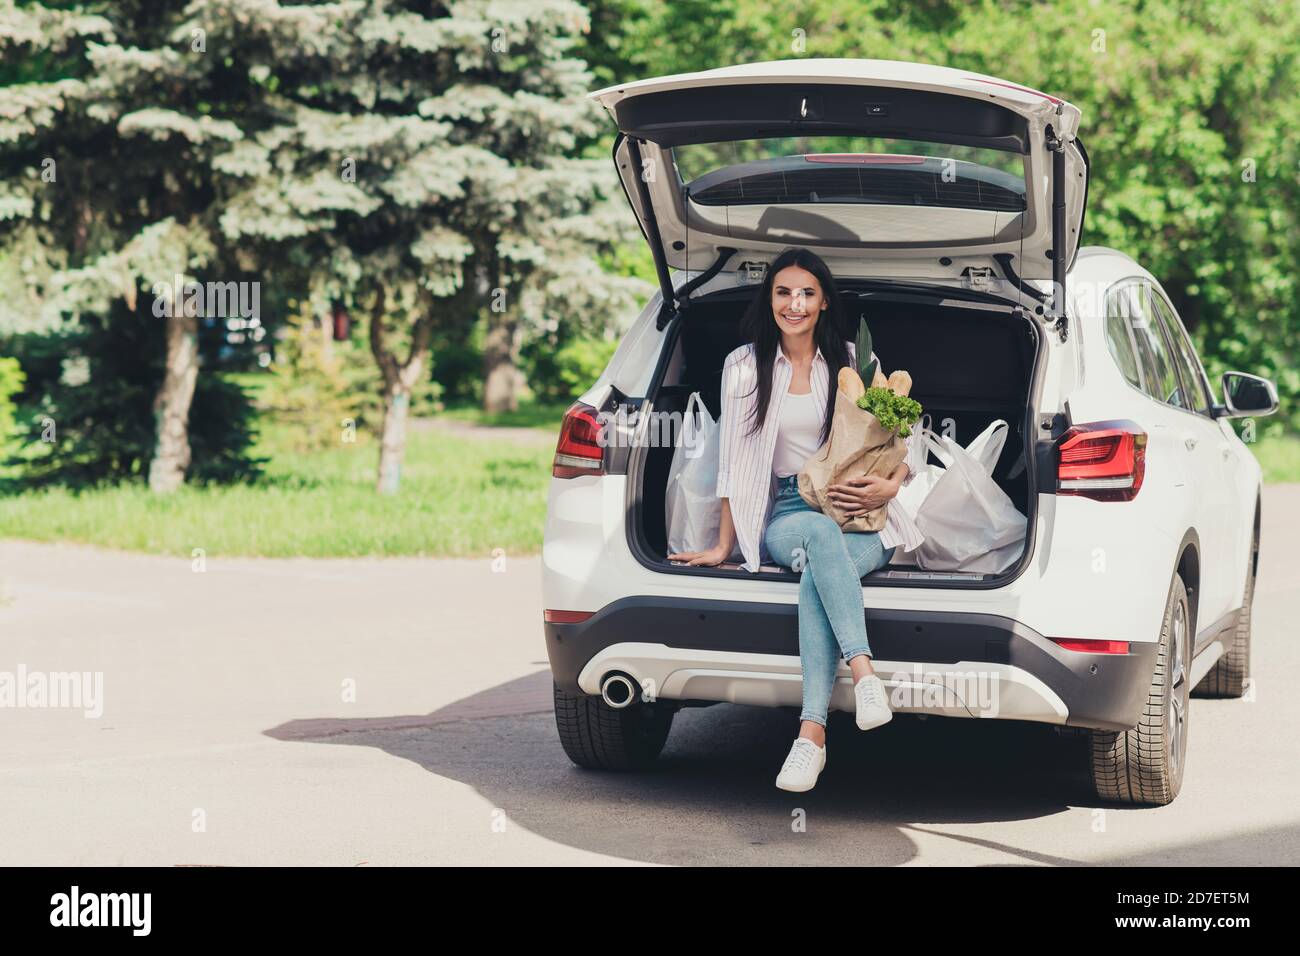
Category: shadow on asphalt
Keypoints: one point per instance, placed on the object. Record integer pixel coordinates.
(712, 800)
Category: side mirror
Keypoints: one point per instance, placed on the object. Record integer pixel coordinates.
(1248, 395)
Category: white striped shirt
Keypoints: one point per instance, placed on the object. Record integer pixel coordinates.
(745, 473)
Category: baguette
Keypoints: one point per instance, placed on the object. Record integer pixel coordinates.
(850, 383)
(900, 383)
(879, 380)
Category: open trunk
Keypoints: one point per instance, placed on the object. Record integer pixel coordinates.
(970, 361)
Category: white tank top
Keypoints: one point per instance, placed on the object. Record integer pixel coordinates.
(798, 434)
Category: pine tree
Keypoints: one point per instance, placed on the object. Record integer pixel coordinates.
(410, 165)
(108, 191)
(422, 163)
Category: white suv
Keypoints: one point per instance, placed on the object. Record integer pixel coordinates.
(948, 205)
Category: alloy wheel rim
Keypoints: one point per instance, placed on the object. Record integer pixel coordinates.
(1177, 705)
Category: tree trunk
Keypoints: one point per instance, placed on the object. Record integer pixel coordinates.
(392, 443)
(501, 378)
(326, 330)
(400, 379)
(171, 406)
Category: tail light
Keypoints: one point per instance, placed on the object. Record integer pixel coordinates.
(1102, 460)
(553, 616)
(578, 451)
(1090, 646)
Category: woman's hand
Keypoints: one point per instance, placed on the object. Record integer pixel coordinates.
(714, 556)
(720, 551)
(857, 496)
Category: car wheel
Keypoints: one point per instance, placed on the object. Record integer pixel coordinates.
(600, 737)
(1144, 765)
(1228, 676)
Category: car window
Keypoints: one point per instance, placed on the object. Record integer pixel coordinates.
(1159, 379)
(1120, 343)
(1189, 369)
(816, 168)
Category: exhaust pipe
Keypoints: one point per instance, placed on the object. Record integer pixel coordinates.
(618, 690)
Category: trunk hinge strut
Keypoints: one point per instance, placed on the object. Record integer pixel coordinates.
(1004, 260)
(1041, 299)
(684, 295)
(1057, 147)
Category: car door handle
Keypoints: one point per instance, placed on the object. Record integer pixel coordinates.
(1189, 442)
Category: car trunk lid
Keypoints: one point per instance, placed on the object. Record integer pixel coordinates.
(886, 169)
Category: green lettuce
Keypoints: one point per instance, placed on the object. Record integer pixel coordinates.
(894, 412)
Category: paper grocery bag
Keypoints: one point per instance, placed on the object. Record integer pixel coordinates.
(858, 445)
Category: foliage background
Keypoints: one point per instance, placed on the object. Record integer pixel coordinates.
(1181, 100)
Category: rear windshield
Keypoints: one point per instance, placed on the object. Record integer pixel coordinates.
(851, 169)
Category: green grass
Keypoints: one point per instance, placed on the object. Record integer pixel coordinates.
(1279, 457)
(459, 497)
(529, 415)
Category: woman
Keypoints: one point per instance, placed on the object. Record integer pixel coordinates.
(782, 385)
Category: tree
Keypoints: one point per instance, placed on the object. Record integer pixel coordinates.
(416, 165)
(109, 199)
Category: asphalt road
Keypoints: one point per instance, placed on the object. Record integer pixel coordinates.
(398, 712)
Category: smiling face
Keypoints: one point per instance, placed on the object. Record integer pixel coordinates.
(797, 302)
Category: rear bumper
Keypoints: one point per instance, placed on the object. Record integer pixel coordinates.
(948, 663)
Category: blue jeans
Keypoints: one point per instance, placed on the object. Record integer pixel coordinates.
(832, 622)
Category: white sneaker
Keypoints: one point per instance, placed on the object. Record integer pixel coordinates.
(801, 767)
(873, 703)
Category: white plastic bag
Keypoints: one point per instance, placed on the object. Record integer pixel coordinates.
(986, 448)
(922, 479)
(694, 510)
(969, 523)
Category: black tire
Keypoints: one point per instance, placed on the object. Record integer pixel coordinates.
(598, 737)
(1144, 765)
(1228, 676)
